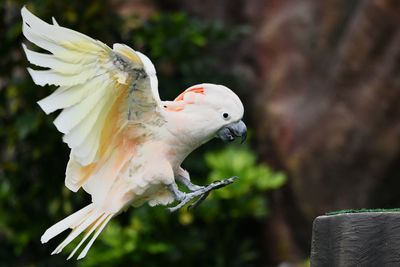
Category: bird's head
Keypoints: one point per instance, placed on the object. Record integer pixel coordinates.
(212, 111)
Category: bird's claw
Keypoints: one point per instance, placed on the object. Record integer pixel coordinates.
(202, 193)
(198, 201)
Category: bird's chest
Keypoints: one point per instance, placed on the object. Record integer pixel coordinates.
(147, 168)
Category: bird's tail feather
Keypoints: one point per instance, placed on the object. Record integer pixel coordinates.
(90, 218)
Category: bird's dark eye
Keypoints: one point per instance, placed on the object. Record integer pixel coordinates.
(225, 115)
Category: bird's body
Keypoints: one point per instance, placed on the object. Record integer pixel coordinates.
(126, 144)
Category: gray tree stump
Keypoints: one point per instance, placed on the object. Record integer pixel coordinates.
(356, 239)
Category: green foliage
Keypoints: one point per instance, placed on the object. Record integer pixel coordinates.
(245, 194)
(223, 231)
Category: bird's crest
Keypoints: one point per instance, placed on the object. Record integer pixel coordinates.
(197, 90)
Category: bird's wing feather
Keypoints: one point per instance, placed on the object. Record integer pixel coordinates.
(101, 90)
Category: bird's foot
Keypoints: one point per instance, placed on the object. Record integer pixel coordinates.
(201, 192)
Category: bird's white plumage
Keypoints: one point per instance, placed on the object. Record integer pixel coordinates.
(125, 143)
(104, 220)
(49, 61)
(91, 230)
(151, 71)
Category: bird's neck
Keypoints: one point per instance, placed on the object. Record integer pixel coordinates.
(183, 136)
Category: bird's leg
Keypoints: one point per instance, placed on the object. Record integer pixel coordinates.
(187, 183)
(201, 193)
(178, 195)
(183, 177)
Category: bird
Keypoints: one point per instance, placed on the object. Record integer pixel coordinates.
(126, 144)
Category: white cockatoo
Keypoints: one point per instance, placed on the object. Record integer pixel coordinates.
(126, 144)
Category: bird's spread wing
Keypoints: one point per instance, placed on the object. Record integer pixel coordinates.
(101, 90)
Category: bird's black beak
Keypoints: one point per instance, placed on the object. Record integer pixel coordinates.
(232, 130)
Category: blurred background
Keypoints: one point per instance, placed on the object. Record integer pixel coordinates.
(320, 81)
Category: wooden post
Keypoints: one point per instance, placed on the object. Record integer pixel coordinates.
(356, 239)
